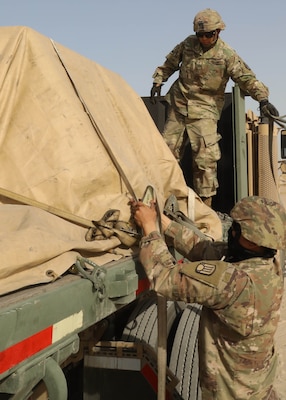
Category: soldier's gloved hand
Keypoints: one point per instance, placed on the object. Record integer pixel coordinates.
(156, 90)
(268, 109)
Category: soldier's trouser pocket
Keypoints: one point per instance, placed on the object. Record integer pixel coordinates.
(173, 132)
(211, 149)
(204, 140)
(206, 152)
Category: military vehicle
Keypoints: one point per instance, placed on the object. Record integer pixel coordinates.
(78, 320)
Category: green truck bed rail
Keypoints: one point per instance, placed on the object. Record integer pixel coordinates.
(40, 325)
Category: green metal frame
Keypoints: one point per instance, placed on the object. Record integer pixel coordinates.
(239, 145)
(30, 311)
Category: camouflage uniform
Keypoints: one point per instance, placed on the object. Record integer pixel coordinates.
(240, 314)
(197, 99)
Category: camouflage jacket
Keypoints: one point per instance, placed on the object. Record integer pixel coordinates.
(241, 303)
(199, 90)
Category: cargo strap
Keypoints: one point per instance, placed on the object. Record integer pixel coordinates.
(172, 211)
(148, 197)
(281, 121)
(96, 128)
(53, 210)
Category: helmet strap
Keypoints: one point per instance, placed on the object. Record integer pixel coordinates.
(236, 252)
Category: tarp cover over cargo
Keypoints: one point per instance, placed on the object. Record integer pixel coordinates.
(75, 141)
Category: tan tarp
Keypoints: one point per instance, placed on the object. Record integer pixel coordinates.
(76, 140)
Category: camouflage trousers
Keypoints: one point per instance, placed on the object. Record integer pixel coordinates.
(273, 395)
(270, 395)
(203, 137)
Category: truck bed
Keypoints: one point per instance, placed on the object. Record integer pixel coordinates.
(41, 322)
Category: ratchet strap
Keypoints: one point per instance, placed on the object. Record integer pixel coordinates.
(281, 121)
(53, 210)
(96, 128)
(56, 211)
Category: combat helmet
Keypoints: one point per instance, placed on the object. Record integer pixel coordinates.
(262, 221)
(208, 20)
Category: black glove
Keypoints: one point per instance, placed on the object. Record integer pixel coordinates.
(155, 90)
(268, 109)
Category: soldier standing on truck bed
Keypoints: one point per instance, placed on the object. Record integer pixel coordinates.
(205, 64)
(240, 295)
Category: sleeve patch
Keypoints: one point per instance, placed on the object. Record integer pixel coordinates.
(205, 269)
(206, 272)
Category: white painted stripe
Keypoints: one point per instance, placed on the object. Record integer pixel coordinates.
(66, 326)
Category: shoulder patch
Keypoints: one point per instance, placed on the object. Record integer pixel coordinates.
(205, 268)
(208, 272)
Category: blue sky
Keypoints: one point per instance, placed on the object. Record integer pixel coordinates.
(133, 37)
